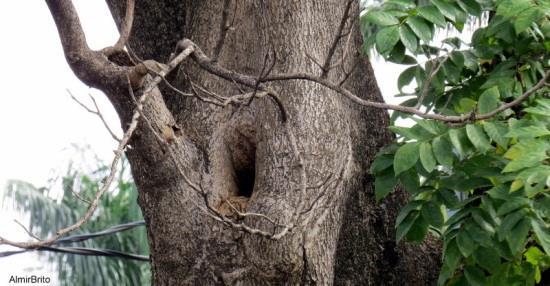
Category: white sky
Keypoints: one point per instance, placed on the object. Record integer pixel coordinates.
(39, 121)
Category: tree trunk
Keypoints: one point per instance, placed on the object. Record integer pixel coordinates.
(305, 165)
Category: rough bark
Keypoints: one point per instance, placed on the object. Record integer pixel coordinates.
(245, 153)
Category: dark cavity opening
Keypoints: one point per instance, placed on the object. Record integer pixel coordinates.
(242, 145)
(245, 177)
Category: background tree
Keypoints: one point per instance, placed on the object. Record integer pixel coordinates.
(49, 211)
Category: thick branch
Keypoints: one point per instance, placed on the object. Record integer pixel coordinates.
(92, 67)
(124, 31)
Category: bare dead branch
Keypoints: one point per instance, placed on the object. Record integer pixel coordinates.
(224, 27)
(249, 214)
(323, 197)
(265, 71)
(79, 197)
(27, 230)
(348, 74)
(337, 37)
(314, 60)
(426, 87)
(96, 112)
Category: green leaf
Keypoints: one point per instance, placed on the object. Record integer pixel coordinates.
(420, 28)
(386, 39)
(451, 255)
(466, 105)
(478, 138)
(488, 258)
(531, 131)
(516, 241)
(512, 205)
(418, 230)
(535, 179)
(432, 126)
(408, 39)
(542, 232)
(480, 236)
(383, 185)
(511, 8)
(459, 140)
(426, 157)
(471, 7)
(458, 58)
(496, 132)
(443, 151)
(381, 163)
(405, 157)
(451, 71)
(542, 108)
(403, 3)
(527, 153)
(410, 181)
(483, 221)
(416, 132)
(542, 206)
(404, 227)
(446, 9)
(534, 256)
(433, 214)
(380, 18)
(406, 77)
(465, 243)
(508, 223)
(470, 61)
(432, 14)
(407, 209)
(526, 18)
(475, 276)
(489, 100)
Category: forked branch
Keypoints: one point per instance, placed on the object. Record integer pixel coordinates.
(125, 30)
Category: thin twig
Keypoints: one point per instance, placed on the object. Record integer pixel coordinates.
(431, 76)
(342, 60)
(79, 197)
(224, 27)
(249, 214)
(27, 230)
(96, 112)
(337, 37)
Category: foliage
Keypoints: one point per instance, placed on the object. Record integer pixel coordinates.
(50, 211)
(482, 186)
